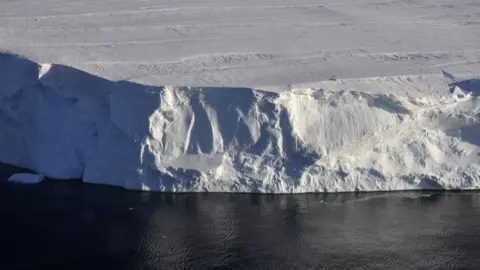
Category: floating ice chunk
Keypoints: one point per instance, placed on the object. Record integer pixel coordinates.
(26, 178)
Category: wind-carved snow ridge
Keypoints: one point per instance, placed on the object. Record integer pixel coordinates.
(391, 133)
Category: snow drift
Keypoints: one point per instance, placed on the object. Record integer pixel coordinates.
(391, 133)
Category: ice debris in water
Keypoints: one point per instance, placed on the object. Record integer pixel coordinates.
(26, 178)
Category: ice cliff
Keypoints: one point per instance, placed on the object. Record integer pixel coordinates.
(392, 133)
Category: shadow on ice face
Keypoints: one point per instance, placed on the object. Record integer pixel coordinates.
(472, 86)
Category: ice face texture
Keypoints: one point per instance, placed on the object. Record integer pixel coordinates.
(338, 95)
(389, 133)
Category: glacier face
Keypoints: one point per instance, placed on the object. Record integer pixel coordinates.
(390, 133)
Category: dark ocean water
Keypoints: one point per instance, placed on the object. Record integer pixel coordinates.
(68, 225)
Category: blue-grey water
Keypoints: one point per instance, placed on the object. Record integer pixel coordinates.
(69, 225)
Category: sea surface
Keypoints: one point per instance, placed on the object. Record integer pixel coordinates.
(70, 225)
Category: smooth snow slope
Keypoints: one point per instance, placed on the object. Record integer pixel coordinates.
(264, 44)
(356, 99)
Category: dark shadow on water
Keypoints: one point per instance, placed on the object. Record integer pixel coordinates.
(71, 225)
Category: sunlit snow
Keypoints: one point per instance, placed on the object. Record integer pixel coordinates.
(243, 96)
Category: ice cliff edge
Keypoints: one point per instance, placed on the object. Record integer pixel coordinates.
(410, 132)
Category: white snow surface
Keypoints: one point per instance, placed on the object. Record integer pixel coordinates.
(243, 96)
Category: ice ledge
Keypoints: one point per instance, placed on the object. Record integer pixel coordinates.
(393, 133)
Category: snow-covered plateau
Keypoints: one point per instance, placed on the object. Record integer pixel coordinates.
(243, 96)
